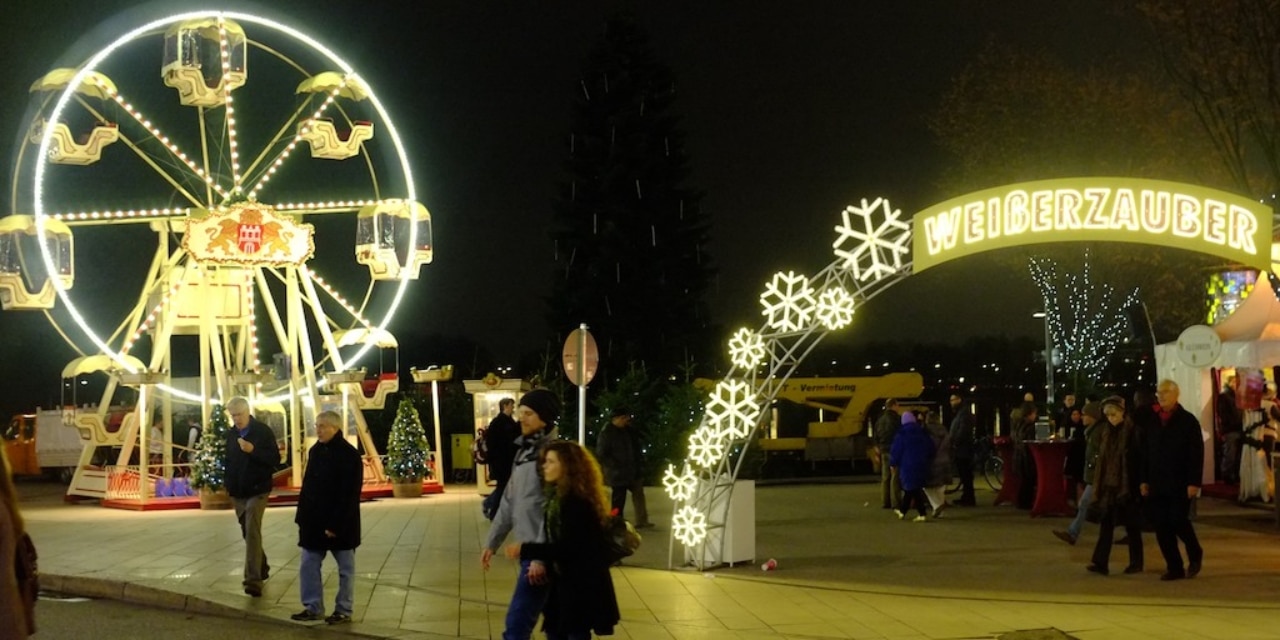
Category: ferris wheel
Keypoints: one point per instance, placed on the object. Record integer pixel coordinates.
(184, 211)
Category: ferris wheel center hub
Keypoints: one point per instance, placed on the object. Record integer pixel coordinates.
(249, 234)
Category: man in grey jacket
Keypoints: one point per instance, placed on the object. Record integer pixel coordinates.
(521, 510)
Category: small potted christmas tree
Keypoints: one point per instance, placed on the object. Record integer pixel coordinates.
(209, 466)
(407, 451)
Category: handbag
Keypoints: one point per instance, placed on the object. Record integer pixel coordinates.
(621, 539)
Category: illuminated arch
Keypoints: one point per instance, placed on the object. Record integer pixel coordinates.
(872, 254)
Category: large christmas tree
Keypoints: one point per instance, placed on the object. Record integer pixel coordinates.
(630, 237)
(209, 467)
(407, 447)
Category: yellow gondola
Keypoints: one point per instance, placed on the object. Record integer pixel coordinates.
(193, 60)
(17, 264)
(330, 143)
(372, 391)
(382, 239)
(68, 147)
(327, 140)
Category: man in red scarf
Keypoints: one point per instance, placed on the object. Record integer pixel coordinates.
(1170, 479)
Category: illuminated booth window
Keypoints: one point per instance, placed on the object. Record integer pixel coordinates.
(21, 263)
(76, 142)
(193, 60)
(382, 239)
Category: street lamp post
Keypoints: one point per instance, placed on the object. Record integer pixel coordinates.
(1048, 358)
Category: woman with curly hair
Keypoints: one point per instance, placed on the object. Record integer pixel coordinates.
(582, 599)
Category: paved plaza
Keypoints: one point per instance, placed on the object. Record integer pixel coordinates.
(846, 569)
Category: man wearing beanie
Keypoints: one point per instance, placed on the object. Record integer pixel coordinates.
(1091, 415)
(521, 510)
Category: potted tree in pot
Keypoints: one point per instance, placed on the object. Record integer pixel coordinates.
(209, 466)
(407, 452)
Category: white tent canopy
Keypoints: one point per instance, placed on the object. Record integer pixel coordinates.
(1250, 339)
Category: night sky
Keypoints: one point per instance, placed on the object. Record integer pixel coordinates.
(791, 109)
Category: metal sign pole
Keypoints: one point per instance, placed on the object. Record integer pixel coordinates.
(582, 388)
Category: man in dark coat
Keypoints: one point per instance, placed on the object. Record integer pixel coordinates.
(500, 438)
(621, 458)
(886, 429)
(1063, 417)
(328, 520)
(962, 444)
(1170, 472)
(252, 457)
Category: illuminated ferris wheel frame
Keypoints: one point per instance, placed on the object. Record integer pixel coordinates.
(46, 138)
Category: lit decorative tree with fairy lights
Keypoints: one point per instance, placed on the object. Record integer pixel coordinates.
(209, 467)
(1086, 318)
(407, 448)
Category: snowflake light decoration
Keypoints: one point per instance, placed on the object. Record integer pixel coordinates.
(689, 526)
(876, 244)
(732, 410)
(835, 308)
(679, 485)
(746, 349)
(788, 302)
(706, 446)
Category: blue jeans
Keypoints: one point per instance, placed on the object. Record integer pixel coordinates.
(1081, 509)
(311, 584)
(249, 513)
(526, 605)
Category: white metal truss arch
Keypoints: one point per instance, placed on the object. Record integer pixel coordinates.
(703, 488)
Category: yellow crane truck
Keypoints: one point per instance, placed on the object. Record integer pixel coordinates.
(844, 406)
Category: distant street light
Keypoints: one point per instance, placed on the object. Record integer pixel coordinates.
(1048, 358)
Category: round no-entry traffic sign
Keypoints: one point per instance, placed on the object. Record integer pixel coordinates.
(580, 357)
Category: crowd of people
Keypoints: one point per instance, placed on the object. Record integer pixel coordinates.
(1131, 465)
(919, 456)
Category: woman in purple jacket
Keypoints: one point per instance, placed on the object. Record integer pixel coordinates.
(912, 458)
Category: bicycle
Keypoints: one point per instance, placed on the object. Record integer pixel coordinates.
(986, 463)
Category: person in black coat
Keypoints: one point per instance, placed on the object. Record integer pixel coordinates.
(252, 457)
(962, 448)
(1116, 487)
(582, 598)
(621, 455)
(500, 438)
(1023, 430)
(1173, 462)
(328, 519)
